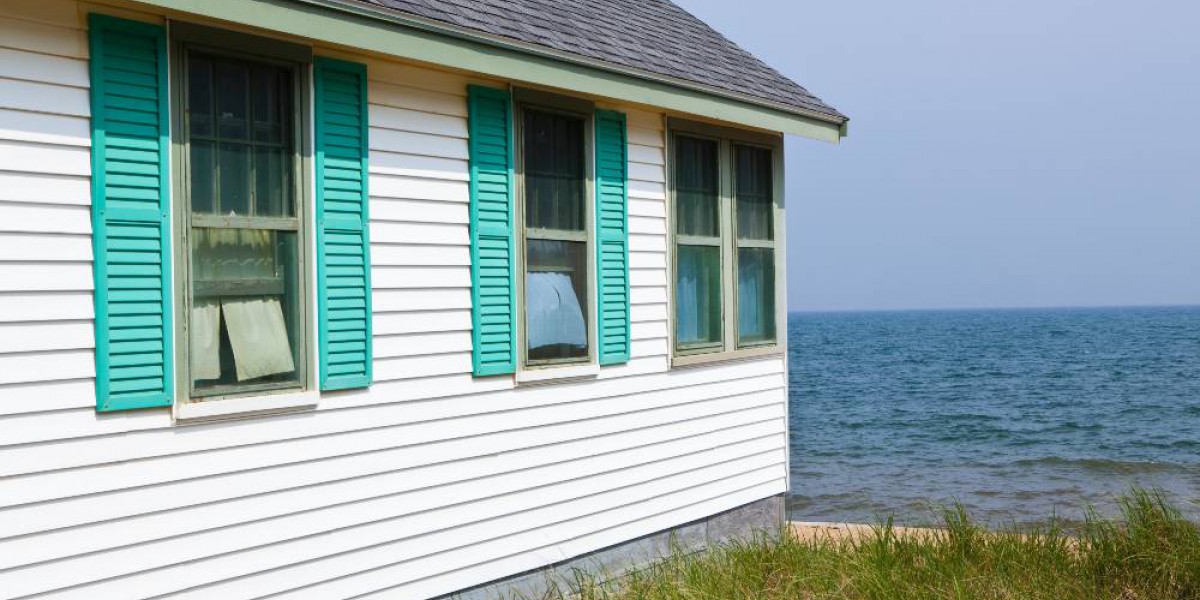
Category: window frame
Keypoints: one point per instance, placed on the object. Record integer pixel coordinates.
(585, 110)
(727, 138)
(273, 396)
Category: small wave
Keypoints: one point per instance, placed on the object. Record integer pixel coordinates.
(1104, 465)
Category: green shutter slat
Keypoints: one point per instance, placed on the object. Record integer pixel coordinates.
(612, 238)
(343, 234)
(493, 314)
(131, 235)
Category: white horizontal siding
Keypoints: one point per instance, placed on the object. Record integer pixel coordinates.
(427, 482)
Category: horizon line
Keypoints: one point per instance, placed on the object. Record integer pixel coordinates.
(992, 308)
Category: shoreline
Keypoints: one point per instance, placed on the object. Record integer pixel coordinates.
(811, 531)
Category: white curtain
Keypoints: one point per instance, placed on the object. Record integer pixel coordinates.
(555, 315)
(258, 337)
(692, 298)
(206, 339)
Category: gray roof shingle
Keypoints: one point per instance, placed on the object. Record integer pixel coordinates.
(651, 35)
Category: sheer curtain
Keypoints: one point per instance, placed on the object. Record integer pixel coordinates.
(756, 295)
(254, 325)
(555, 314)
(697, 294)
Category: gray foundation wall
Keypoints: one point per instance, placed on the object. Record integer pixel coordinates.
(764, 517)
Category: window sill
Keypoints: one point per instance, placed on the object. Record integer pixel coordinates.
(554, 374)
(687, 360)
(247, 406)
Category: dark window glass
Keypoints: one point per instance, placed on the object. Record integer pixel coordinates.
(243, 166)
(753, 189)
(554, 171)
(200, 96)
(697, 187)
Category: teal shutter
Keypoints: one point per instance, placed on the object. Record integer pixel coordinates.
(343, 243)
(131, 235)
(493, 314)
(612, 238)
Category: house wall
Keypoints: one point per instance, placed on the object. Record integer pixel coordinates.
(428, 482)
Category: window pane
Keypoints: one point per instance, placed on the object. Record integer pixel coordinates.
(233, 160)
(554, 171)
(269, 89)
(233, 100)
(756, 295)
(272, 182)
(698, 295)
(753, 190)
(203, 174)
(243, 322)
(556, 300)
(696, 187)
(200, 93)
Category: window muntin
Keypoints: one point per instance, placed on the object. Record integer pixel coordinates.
(724, 239)
(557, 271)
(245, 302)
(698, 323)
(753, 191)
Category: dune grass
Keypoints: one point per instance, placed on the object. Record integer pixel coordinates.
(1148, 552)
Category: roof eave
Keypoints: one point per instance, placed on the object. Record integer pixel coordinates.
(389, 32)
(433, 25)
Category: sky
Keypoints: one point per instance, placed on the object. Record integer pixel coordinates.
(1000, 154)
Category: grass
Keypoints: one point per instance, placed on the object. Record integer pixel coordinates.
(1149, 552)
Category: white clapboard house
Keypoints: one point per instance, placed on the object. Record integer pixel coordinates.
(384, 298)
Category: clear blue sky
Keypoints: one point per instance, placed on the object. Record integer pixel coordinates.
(1020, 153)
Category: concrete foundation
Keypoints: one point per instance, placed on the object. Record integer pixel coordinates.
(764, 517)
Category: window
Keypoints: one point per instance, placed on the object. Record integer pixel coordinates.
(724, 192)
(553, 161)
(245, 306)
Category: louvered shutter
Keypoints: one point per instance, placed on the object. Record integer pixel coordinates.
(612, 238)
(130, 228)
(493, 314)
(343, 246)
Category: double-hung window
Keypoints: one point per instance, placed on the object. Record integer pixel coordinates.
(553, 161)
(240, 131)
(206, 187)
(725, 199)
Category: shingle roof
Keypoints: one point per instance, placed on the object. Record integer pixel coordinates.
(651, 35)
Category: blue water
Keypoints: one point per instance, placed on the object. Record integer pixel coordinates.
(1017, 414)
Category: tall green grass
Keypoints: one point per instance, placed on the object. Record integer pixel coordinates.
(1148, 552)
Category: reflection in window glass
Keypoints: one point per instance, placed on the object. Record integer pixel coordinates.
(753, 189)
(697, 187)
(243, 167)
(555, 300)
(554, 171)
(698, 295)
(756, 295)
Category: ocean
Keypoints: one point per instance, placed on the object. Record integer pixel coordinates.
(1017, 414)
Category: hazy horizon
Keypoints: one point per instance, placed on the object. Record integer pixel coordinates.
(990, 308)
(999, 156)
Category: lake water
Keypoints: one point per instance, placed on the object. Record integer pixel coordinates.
(1014, 413)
